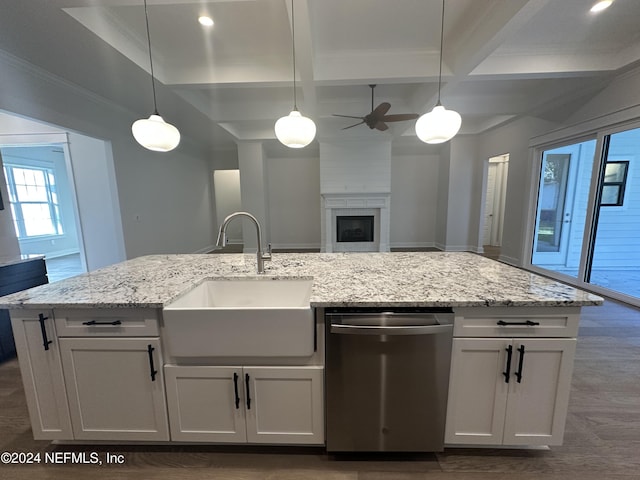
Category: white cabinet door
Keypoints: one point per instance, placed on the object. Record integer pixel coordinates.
(41, 370)
(206, 404)
(284, 404)
(537, 405)
(477, 391)
(115, 388)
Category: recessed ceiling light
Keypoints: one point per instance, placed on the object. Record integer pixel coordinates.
(601, 5)
(206, 21)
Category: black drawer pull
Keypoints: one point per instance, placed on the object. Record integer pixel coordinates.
(246, 379)
(506, 374)
(520, 364)
(235, 389)
(94, 322)
(528, 323)
(152, 368)
(45, 340)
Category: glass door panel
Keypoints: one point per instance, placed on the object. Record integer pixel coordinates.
(615, 260)
(563, 193)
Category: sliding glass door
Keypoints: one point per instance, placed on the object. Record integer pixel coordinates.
(587, 216)
(563, 192)
(614, 261)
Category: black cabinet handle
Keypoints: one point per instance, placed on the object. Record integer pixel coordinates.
(45, 340)
(520, 363)
(93, 322)
(152, 368)
(528, 323)
(235, 389)
(246, 380)
(506, 374)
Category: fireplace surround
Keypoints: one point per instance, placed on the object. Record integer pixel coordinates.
(367, 212)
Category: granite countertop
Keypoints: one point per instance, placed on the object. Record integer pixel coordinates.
(339, 279)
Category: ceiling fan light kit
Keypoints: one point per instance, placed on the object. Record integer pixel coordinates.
(154, 133)
(295, 130)
(378, 117)
(440, 124)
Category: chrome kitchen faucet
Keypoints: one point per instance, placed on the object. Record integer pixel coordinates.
(222, 238)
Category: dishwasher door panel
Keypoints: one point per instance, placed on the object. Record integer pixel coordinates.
(387, 392)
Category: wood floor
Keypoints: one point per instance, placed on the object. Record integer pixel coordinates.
(602, 440)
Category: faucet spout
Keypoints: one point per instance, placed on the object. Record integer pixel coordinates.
(222, 237)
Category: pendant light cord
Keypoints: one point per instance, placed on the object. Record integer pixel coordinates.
(441, 43)
(153, 84)
(293, 43)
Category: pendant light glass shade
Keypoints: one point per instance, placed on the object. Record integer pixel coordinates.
(439, 125)
(295, 131)
(155, 134)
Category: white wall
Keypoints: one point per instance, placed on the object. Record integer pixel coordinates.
(622, 93)
(512, 139)
(156, 188)
(414, 200)
(226, 186)
(294, 201)
(355, 166)
(98, 208)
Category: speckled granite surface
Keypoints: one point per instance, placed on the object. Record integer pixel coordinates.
(340, 279)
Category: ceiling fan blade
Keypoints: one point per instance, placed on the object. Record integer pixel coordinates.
(381, 109)
(354, 125)
(345, 116)
(381, 126)
(399, 117)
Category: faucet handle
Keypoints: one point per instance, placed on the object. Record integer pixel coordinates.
(267, 255)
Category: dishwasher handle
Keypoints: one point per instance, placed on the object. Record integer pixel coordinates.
(390, 330)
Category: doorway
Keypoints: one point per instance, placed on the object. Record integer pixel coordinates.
(42, 205)
(494, 204)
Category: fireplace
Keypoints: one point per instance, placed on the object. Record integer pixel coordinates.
(354, 228)
(355, 222)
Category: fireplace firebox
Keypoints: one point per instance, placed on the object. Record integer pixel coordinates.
(354, 228)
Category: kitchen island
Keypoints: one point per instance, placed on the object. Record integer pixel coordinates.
(89, 344)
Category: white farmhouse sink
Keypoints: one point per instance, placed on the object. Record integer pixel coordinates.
(241, 318)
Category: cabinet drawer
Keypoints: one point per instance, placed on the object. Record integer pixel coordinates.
(517, 322)
(107, 323)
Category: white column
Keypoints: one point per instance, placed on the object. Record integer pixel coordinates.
(253, 192)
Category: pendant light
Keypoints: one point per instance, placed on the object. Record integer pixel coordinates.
(295, 130)
(440, 124)
(154, 133)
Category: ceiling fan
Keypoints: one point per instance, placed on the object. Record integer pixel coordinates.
(377, 118)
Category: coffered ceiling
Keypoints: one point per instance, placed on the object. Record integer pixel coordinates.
(502, 58)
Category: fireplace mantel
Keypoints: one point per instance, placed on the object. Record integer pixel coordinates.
(356, 204)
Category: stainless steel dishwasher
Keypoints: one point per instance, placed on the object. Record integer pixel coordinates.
(387, 378)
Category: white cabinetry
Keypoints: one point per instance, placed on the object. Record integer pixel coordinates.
(511, 388)
(246, 404)
(114, 379)
(41, 370)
